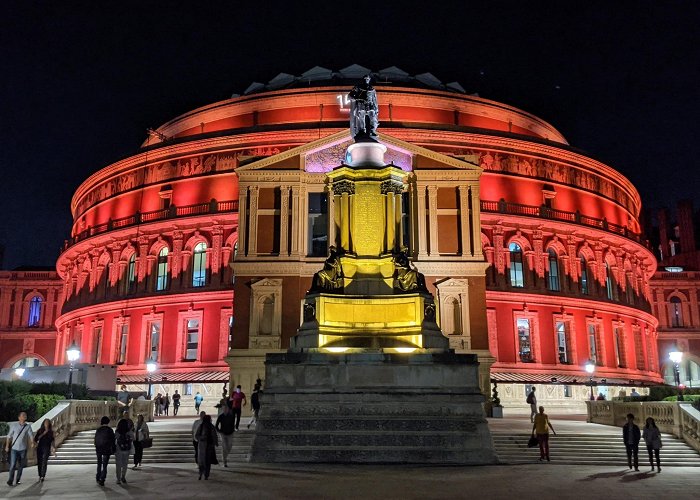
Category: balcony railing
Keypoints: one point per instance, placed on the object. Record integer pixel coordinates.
(173, 212)
(543, 212)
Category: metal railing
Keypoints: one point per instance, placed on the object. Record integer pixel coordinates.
(544, 212)
(173, 212)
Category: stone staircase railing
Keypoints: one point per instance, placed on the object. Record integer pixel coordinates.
(677, 418)
(72, 416)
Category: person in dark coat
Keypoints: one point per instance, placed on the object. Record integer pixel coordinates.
(45, 446)
(207, 441)
(652, 438)
(105, 446)
(631, 435)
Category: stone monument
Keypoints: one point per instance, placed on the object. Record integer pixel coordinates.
(369, 376)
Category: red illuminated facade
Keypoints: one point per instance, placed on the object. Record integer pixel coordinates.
(147, 271)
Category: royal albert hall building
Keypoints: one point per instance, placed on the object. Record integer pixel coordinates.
(197, 250)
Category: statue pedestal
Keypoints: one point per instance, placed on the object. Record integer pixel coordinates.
(372, 407)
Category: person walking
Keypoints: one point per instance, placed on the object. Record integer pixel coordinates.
(631, 436)
(225, 424)
(255, 404)
(105, 446)
(166, 401)
(195, 428)
(124, 401)
(541, 428)
(207, 441)
(238, 401)
(124, 440)
(532, 401)
(19, 438)
(198, 398)
(176, 403)
(45, 446)
(652, 438)
(141, 434)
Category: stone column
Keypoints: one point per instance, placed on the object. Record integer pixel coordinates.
(242, 220)
(217, 233)
(422, 234)
(47, 317)
(397, 219)
(332, 228)
(253, 222)
(295, 222)
(475, 217)
(390, 222)
(345, 221)
(433, 217)
(19, 305)
(337, 221)
(284, 220)
(465, 217)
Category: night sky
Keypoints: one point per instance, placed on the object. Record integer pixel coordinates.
(82, 81)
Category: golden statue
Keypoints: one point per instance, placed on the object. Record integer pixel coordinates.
(330, 278)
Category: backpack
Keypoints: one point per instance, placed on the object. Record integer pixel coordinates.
(530, 398)
(124, 441)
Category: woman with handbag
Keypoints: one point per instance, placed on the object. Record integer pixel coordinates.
(45, 446)
(143, 440)
(652, 438)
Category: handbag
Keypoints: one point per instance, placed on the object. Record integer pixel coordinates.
(147, 443)
(532, 442)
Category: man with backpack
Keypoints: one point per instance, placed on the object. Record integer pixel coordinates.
(16, 445)
(105, 446)
(532, 401)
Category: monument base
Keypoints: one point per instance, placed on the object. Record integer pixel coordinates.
(372, 407)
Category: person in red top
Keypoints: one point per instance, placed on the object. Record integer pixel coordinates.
(238, 401)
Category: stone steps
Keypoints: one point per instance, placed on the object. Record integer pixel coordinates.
(168, 447)
(590, 449)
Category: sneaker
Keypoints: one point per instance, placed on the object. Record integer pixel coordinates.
(119, 481)
(101, 482)
(18, 482)
(9, 483)
(124, 480)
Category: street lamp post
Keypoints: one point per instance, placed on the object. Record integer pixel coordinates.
(73, 354)
(676, 356)
(151, 366)
(590, 368)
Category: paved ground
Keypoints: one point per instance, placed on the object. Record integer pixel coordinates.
(540, 481)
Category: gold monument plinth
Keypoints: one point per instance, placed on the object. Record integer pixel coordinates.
(368, 295)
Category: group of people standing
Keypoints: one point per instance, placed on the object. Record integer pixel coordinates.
(162, 404)
(128, 439)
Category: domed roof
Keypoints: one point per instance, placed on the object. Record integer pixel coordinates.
(320, 76)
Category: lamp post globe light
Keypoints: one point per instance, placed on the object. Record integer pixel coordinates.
(151, 366)
(73, 354)
(676, 356)
(590, 368)
(19, 371)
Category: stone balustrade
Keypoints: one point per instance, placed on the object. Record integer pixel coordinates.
(70, 417)
(671, 417)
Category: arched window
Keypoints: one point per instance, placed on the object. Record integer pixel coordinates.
(584, 276)
(162, 275)
(129, 279)
(28, 362)
(609, 282)
(517, 278)
(34, 318)
(553, 271)
(676, 313)
(199, 265)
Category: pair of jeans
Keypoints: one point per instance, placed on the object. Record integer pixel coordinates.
(17, 458)
(138, 452)
(237, 413)
(102, 463)
(175, 408)
(653, 452)
(226, 445)
(122, 460)
(632, 455)
(42, 459)
(543, 440)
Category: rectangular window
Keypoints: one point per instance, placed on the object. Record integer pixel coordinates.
(187, 391)
(154, 341)
(123, 339)
(97, 342)
(524, 340)
(192, 339)
(567, 391)
(592, 345)
(317, 242)
(639, 349)
(619, 347)
(563, 342)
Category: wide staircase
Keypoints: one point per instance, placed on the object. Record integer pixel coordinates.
(579, 443)
(169, 446)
